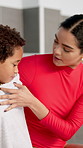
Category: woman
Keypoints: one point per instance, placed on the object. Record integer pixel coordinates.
(54, 99)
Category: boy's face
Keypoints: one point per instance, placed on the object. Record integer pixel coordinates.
(9, 68)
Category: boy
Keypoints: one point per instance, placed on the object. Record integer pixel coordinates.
(13, 129)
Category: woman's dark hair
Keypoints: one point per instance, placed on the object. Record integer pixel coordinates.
(75, 25)
(9, 39)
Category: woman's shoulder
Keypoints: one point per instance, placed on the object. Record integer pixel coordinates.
(37, 56)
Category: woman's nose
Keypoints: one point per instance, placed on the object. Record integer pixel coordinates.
(57, 49)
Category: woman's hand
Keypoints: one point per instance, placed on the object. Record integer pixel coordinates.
(17, 97)
(22, 97)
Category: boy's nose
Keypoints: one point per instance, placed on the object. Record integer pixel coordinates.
(16, 70)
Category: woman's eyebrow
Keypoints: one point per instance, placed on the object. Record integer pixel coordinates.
(68, 46)
(64, 44)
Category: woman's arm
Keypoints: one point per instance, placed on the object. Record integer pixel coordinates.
(65, 129)
(73, 146)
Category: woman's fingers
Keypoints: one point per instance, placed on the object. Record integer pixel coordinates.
(7, 90)
(10, 107)
(12, 91)
(12, 103)
(17, 97)
(8, 96)
(8, 102)
(18, 85)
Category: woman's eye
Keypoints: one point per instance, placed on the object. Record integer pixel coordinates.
(66, 50)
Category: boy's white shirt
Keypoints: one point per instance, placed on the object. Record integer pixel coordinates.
(13, 129)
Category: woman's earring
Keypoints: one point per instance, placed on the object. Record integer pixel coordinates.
(82, 60)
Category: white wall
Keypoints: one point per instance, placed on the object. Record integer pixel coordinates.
(30, 3)
(12, 3)
(67, 7)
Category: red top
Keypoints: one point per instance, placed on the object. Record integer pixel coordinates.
(60, 89)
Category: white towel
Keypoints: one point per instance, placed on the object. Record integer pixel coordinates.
(13, 129)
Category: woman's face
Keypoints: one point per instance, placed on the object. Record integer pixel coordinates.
(65, 50)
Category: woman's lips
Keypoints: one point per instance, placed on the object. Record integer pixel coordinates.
(56, 58)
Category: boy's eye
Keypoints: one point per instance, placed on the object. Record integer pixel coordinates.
(14, 65)
(55, 41)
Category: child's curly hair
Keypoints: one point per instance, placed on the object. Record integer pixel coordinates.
(9, 39)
